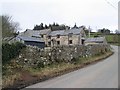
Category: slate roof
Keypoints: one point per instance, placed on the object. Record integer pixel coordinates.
(38, 32)
(97, 39)
(65, 32)
(46, 31)
(58, 32)
(8, 38)
(30, 39)
(74, 31)
(35, 32)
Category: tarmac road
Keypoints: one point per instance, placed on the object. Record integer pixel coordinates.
(103, 74)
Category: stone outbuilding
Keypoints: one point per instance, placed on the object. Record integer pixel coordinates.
(97, 40)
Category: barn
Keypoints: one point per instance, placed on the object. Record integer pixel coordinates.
(97, 40)
(32, 41)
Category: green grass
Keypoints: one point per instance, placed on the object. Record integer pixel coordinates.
(94, 34)
(111, 38)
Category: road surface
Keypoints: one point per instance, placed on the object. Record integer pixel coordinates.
(103, 74)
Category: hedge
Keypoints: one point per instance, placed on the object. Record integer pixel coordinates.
(10, 51)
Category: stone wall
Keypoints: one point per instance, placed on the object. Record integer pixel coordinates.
(35, 57)
(76, 40)
(67, 53)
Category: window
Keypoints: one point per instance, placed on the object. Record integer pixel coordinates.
(70, 41)
(83, 41)
(49, 37)
(49, 43)
(70, 34)
(58, 36)
(41, 36)
(58, 42)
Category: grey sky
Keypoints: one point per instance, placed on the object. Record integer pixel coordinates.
(94, 13)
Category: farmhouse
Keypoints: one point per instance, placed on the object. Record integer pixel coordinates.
(74, 36)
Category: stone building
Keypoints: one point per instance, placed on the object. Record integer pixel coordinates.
(27, 40)
(74, 36)
(42, 34)
(97, 40)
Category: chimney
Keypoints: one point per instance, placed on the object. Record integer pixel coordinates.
(67, 28)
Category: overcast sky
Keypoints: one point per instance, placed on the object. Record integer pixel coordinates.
(94, 13)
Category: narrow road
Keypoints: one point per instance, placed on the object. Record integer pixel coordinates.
(103, 74)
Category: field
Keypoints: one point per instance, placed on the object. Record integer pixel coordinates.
(111, 38)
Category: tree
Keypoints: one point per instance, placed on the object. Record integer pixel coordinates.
(39, 27)
(60, 27)
(57, 24)
(54, 24)
(9, 28)
(104, 31)
(117, 31)
(46, 27)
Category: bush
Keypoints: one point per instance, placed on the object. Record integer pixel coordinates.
(40, 65)
(10, 51)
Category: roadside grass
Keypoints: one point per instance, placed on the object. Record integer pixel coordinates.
(50, 71)
(8, 80)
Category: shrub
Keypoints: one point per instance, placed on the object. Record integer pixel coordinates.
(40, 64)
(10, 51)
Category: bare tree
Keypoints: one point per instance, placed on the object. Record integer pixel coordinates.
(9, 28)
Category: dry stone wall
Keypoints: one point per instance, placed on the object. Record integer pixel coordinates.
(36, 57)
